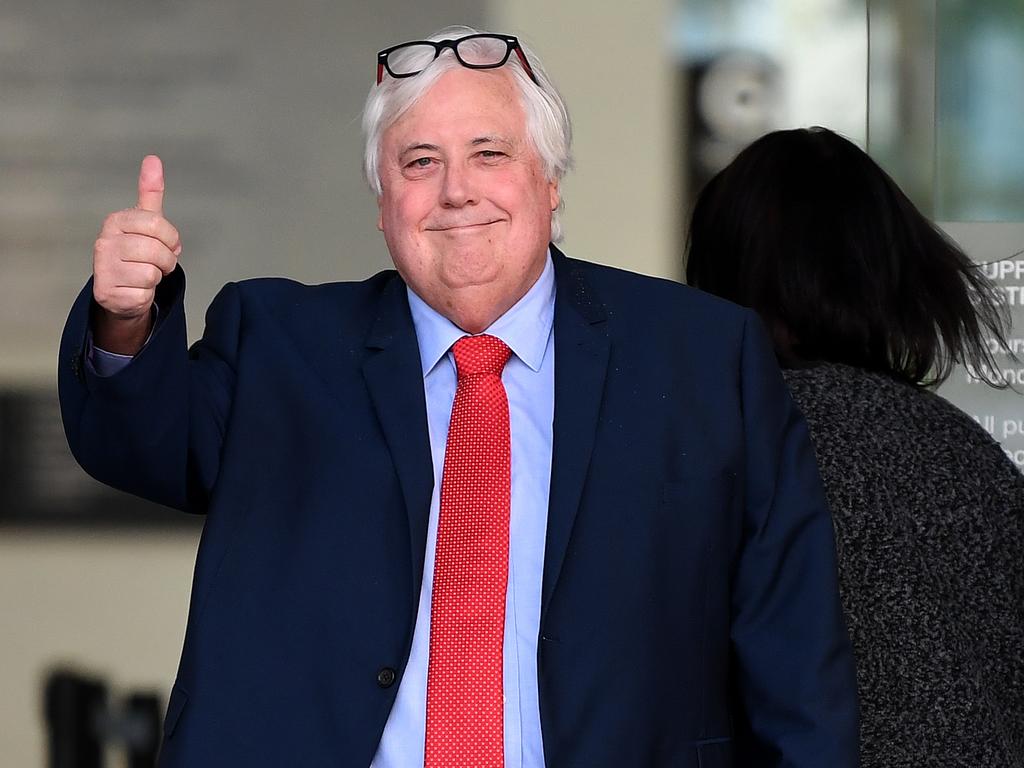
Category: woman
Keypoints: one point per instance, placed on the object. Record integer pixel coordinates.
(868, 304)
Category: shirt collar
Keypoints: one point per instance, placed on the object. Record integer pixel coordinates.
(525, 327)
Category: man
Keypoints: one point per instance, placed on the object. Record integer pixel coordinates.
(499, 508)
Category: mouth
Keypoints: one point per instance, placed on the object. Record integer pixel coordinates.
(463, 227)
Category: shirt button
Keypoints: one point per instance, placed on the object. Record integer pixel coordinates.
(386, 677)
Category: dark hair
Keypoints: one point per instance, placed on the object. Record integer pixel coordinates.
(807, 230)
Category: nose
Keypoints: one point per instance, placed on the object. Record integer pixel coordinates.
(457, 187)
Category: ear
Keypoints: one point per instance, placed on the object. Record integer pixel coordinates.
(553, 194)
(380, 215)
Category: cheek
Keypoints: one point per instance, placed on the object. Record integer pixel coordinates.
(400, 216)
(539, 194)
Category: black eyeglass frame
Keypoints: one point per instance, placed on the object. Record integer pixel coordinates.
(511, 44)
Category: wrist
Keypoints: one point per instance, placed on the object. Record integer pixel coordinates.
(121, 335)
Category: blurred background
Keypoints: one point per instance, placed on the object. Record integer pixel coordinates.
(254, 108)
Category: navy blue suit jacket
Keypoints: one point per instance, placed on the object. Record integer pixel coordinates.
(690, 614)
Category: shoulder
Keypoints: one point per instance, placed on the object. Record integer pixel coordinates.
(841, 393)
(350, 304)
(283, 291)
(896, 430)
(654, 303)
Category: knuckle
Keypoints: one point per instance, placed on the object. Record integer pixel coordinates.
(108, 249)
(113, 221)
(166, 232)
(104, 297)
(102, 255)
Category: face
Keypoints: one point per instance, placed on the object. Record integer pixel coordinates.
(465, 207)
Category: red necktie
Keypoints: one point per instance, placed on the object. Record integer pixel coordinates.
(465, 726)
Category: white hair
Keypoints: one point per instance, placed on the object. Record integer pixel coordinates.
(547, 119)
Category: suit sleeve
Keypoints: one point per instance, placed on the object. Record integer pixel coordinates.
(795, 676)
(156, 427)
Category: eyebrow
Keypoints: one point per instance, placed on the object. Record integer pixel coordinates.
(491, 140)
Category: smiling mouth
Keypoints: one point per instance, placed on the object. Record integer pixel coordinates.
(463, 227)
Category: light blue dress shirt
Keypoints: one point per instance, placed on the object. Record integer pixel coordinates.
(529, 379)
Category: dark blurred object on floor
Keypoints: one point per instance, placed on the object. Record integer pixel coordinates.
(82, 722)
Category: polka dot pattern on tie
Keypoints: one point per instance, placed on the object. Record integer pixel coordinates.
(467, 611)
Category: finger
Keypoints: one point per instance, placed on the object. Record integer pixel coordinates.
(135, 274)
(137, 222)
(151, 184)
(109, 252)
(140, 249)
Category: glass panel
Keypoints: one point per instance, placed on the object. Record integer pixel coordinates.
(753, 66)
(901, 95)
(945, 104)
(980, 110)
(999, 249)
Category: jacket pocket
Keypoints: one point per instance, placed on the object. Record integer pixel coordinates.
(175, 706)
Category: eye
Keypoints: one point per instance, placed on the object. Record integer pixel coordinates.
(492, 157)
(420, 162)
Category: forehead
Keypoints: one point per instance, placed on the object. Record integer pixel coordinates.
(463, 102)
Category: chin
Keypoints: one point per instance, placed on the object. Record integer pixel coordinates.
(473, 307)
(470, 268)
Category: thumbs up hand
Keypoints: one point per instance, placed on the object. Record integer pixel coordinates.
(135, 249)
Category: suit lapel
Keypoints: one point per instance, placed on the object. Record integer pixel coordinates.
(581, 362)
(394, 378)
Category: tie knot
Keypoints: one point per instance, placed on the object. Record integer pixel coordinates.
(476, 355)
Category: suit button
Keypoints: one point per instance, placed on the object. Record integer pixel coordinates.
(386, 677)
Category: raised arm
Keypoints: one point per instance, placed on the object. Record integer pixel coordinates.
(154, 427)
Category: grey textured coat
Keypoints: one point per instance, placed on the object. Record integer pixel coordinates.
(929, 519)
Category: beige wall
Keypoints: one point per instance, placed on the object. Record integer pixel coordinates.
(113, 605)
(611, 61)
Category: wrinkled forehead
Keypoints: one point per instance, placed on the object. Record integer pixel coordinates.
(467, 103)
